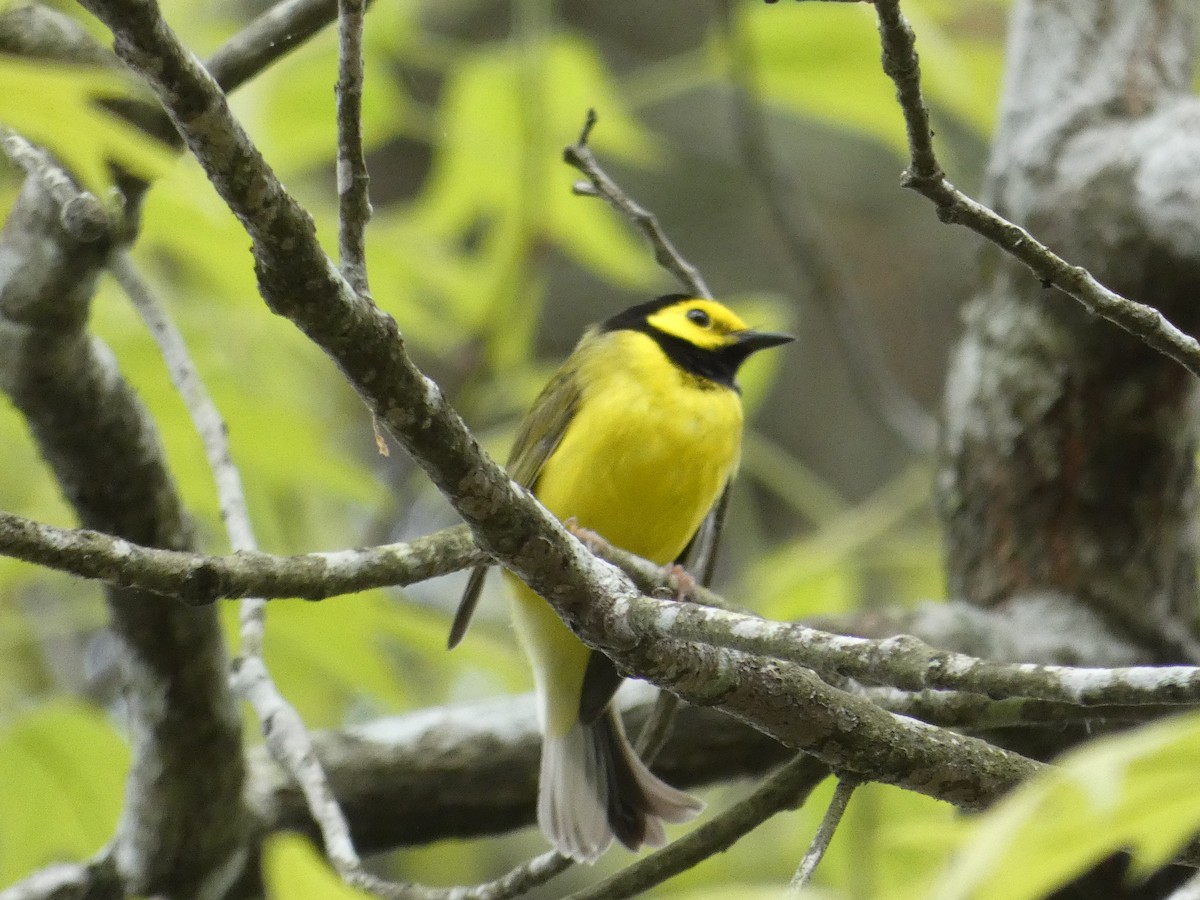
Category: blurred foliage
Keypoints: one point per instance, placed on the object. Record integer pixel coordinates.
(39, 99)
(63, 770)
(1133, 791)
(293, 870)
(491, 265)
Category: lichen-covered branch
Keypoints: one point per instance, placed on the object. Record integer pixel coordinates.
(846, 732)
(183, 826)
(198, 580)
(907, 662)
(903, 662)
(480, 761)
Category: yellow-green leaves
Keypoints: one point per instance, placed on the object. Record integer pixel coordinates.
(293, 870)
(62, 768)
(55, 106)
(291, 106)
(500, 192)
(821, 60)
(1136, 791)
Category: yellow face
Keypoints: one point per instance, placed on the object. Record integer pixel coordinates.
(704, 323)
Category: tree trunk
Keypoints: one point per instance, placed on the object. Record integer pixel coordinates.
(1067, 463)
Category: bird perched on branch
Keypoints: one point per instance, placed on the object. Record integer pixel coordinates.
(635, 437)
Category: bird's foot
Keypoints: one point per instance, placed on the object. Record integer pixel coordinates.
(681, 579)
(591, 539)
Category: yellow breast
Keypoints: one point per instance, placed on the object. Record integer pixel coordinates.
(648, 452)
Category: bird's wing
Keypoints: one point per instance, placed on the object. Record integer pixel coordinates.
(699, 557)
(544, 425)
(602, 679)
(540, 433)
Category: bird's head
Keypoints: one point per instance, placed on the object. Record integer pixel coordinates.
(701, 336)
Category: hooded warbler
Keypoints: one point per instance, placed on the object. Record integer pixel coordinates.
(635, 437)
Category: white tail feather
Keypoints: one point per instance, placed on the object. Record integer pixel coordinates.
(594, 788)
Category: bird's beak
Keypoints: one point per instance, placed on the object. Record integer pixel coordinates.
(753, 341)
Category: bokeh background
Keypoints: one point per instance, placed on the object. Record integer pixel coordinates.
(492, 267)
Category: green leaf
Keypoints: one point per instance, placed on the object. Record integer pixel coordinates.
(1135, 791)
(54, 106)
(61, 764)
(198, 245)
(822, 60)
(284, 405)
(327, 655)
(818, 572)
(506, 118)
(293, 870)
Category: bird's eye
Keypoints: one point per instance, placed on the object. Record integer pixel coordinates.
(699, 317)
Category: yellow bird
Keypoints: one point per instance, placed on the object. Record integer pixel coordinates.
(635, 437)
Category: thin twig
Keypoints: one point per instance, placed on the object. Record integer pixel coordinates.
(830, 287)
(786, 789)
(974, 713)
(209, 424)
(81, 215)
(290, 745)
(354, 205)
(829, 824)
(925, 176)
(268, 38)
(579, 156)
(285, 733)
(521, 880)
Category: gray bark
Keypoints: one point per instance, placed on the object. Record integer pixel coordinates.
(183, 827)
(1068, 456)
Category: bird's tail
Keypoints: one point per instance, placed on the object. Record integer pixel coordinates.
(594, 788)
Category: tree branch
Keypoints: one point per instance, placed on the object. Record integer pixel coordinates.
(820, 842)
(903, 661)
(80, 213)
(272, 35)
(93, 880)
(183, 826)
(926, 177)
(354, 205)
(907, 662)
(846, 732)
(579, 156)
(786, 789)
(199, 580)
(975, 713)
